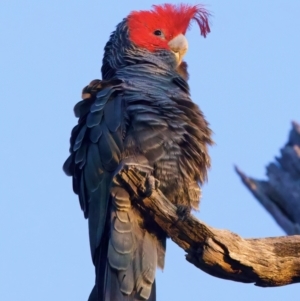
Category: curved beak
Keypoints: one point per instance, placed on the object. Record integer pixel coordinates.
(179, 46)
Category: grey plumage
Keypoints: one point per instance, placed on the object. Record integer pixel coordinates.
(139, 115)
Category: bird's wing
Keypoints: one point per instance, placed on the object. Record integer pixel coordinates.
(96, 146)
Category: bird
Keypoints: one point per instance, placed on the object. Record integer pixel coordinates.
(140, 115)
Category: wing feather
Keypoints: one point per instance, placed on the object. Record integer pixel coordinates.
(96, 147)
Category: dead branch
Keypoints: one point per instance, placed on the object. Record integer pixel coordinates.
(265, 262)
(280, 194)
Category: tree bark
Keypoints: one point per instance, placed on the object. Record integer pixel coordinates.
(280, 194)
(265, 262)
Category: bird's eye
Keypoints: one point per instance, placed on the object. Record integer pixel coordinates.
(158, 32)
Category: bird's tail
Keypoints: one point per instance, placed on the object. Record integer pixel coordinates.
(128, 256)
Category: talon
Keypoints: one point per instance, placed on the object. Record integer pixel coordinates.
(148, 185)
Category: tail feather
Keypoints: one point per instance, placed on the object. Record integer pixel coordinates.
(94, 294)
(152, 296)
(149, 258)
(161, 251)
(126, 280)
(127, 257)
(147, 261)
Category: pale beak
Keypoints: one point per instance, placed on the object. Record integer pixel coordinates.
(179, 46)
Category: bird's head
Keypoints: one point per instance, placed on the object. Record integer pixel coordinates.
(164, 27)
(155, 32)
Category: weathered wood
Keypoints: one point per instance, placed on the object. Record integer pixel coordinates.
(280, 194)
(266, 262)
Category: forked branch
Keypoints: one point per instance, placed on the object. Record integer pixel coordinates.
(280, 193)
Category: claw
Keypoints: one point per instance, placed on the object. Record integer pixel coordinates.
(147, 185)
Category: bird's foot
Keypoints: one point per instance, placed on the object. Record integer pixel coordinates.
(140, 165)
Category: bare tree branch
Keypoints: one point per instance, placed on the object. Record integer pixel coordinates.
(280, 194)
(266, 262)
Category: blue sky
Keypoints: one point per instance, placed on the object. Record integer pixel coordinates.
(245, 76)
